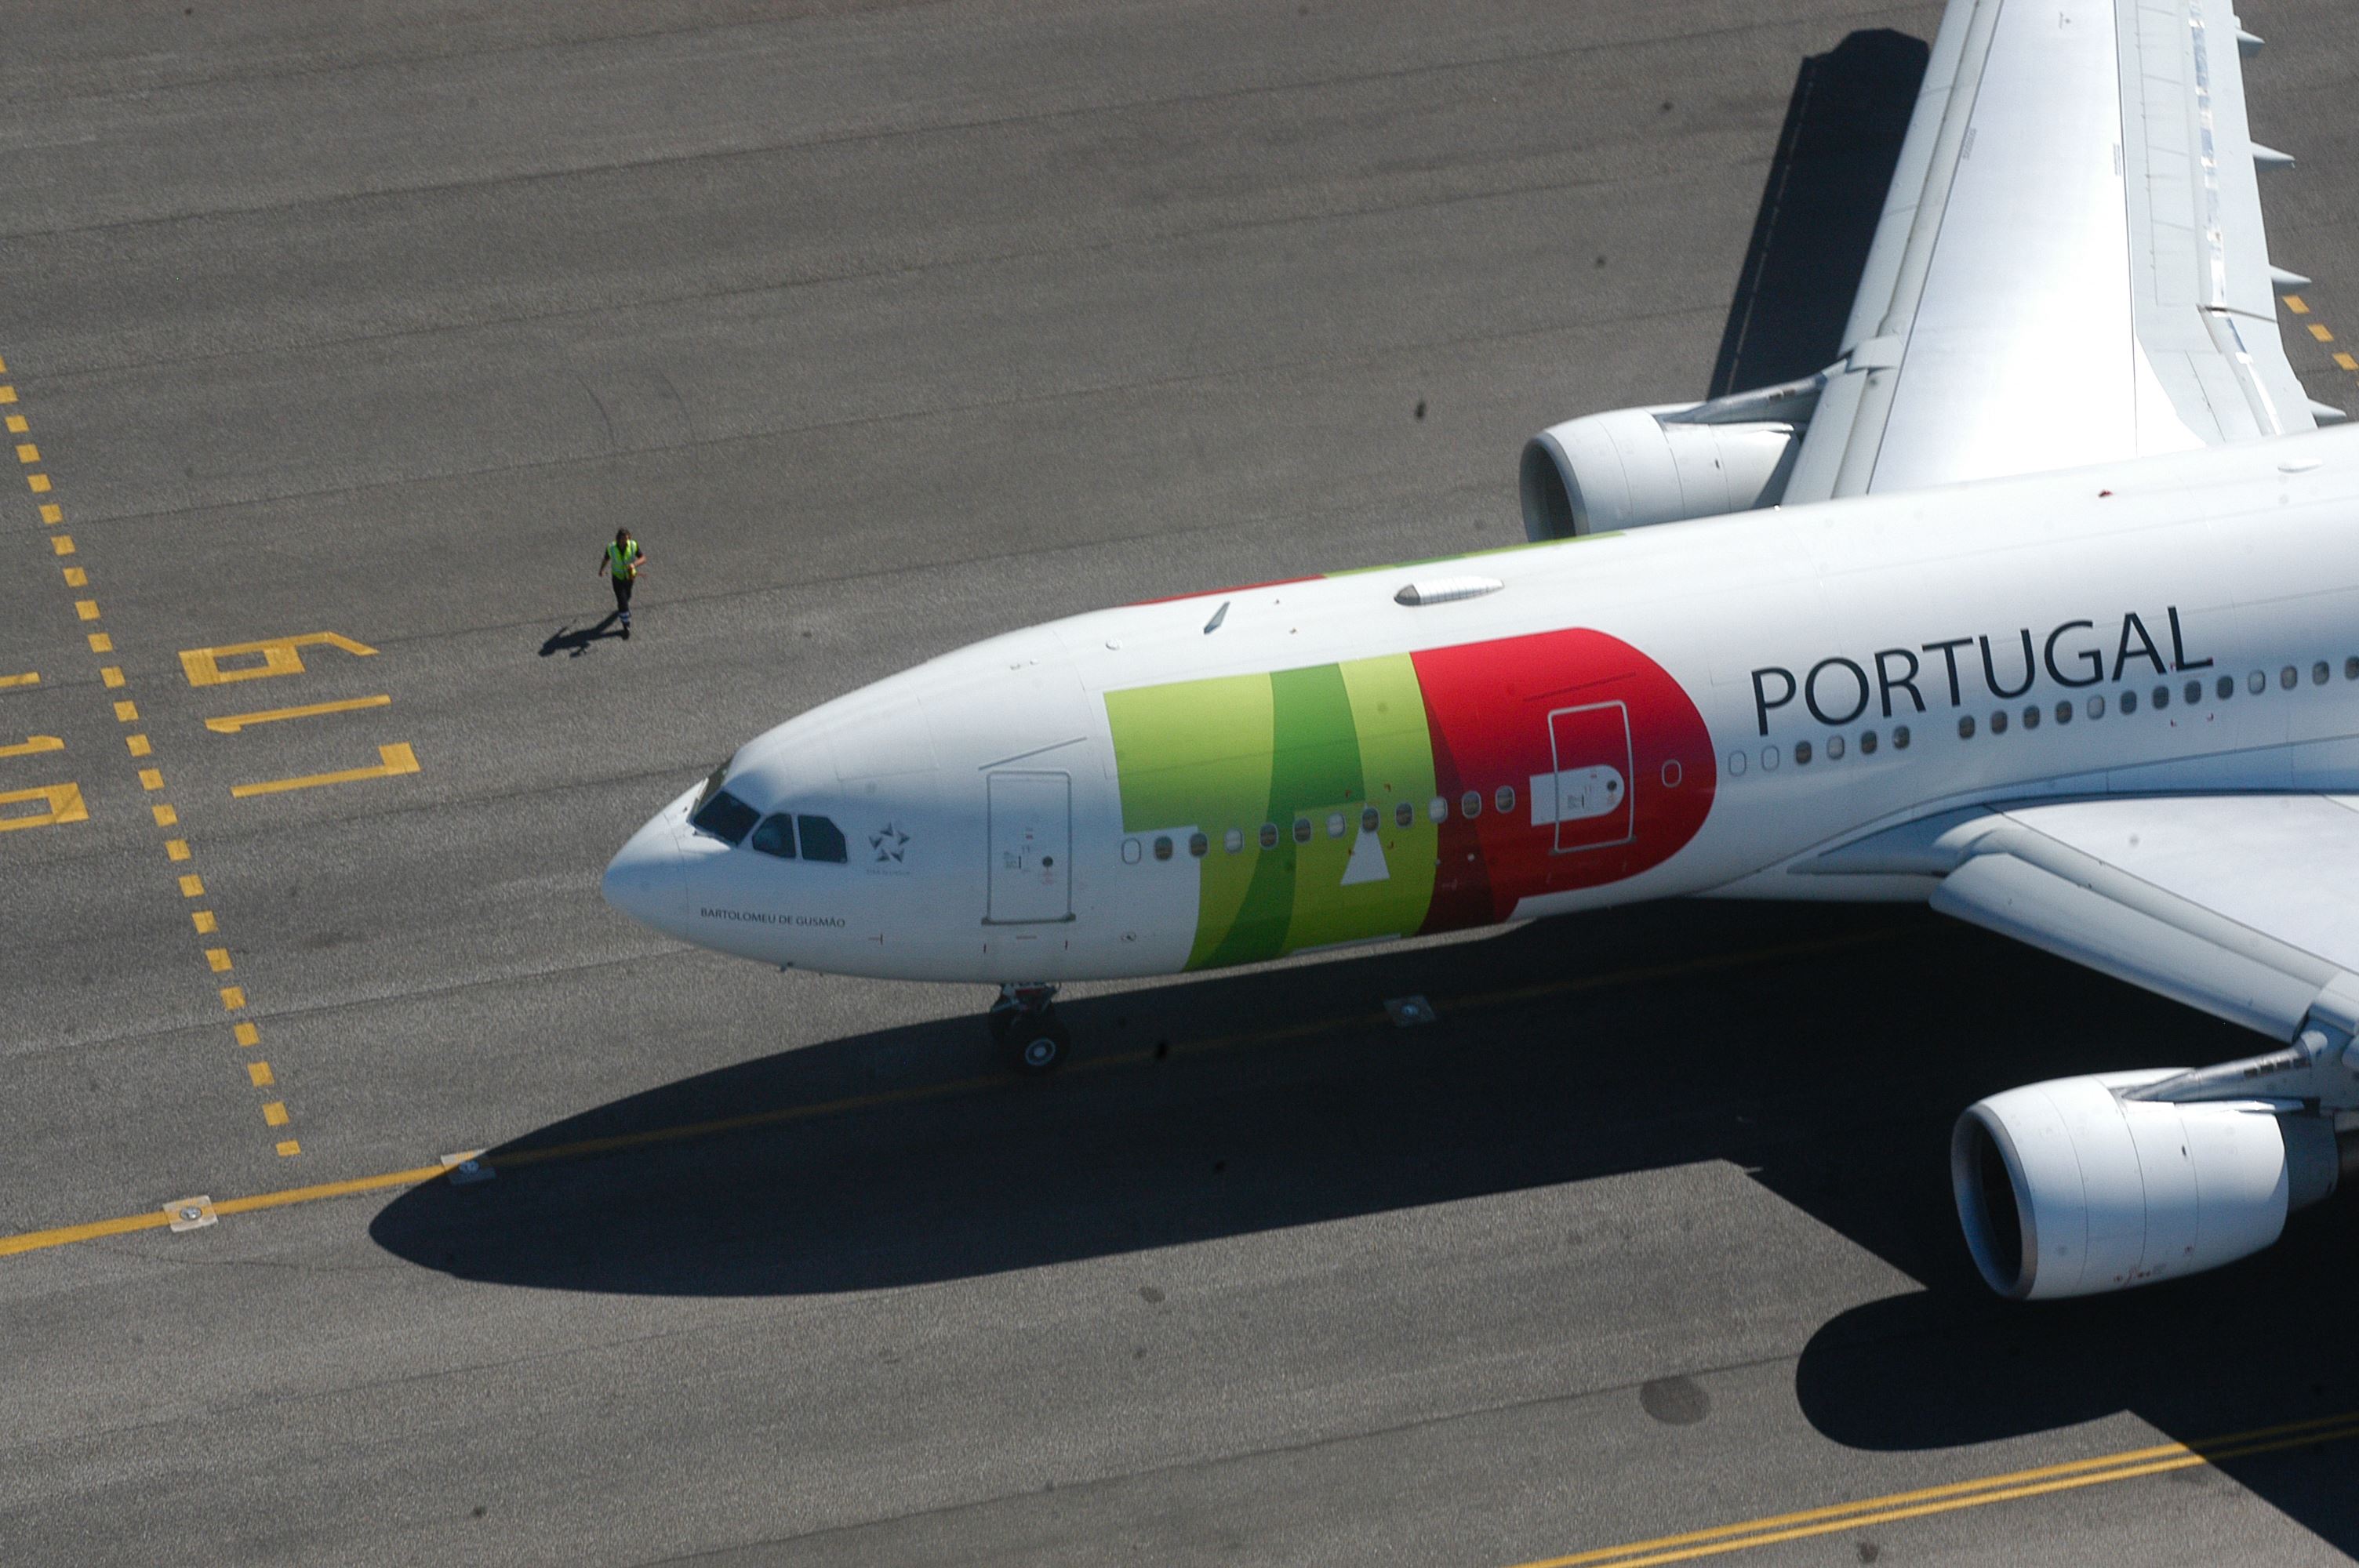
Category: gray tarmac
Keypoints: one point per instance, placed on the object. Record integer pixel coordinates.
(890, 328)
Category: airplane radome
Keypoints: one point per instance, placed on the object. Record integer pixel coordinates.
(2047, 616)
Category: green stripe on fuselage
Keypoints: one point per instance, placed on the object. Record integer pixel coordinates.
(1319, 744)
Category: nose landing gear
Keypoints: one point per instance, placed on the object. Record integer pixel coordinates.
(1025, 1026)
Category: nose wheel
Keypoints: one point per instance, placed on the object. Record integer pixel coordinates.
(1025, 1026)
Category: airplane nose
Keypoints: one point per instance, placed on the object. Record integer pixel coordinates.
(647, 879)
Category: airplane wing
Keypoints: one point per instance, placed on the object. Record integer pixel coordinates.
(2070, 266)
(2243, 905)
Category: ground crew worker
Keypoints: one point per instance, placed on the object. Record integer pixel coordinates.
(622, 563)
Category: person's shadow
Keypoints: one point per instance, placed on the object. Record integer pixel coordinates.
(574, 643)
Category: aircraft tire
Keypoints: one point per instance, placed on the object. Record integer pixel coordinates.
(1035, 1044)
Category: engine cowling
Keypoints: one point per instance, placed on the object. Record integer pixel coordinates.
(1634, 467)
(2068, 1189)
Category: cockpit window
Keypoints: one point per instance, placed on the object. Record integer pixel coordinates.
(777, 837)
(822, 840)
(726, 818)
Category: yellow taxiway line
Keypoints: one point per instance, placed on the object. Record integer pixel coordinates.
(2127, 1465)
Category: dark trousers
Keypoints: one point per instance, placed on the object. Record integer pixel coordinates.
(623, 586)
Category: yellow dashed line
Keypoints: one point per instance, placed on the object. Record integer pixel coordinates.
(166, 816)
(53, 512)
(2345, 361)
(75, 577)
(100, 643)
(288, 1149)
(7, 394)
(126, 712)
(2295, 303)
(192, 886)
(139, 744)
(87, 608)
(178, 848)
(30, 677)
(232, 997)
(152, 779)
(218, 958)
(61, 544)
(259, 1072)
(275, 1113)
(203, 920)
(39, 483)
(247, 1034)
(112, 676)
(16, 424)
(27, 453)
(2321, 333)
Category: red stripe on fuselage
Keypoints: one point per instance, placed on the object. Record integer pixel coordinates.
(1501, 712)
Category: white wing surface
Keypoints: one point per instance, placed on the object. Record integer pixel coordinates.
(2070, 266)
(2244, 905)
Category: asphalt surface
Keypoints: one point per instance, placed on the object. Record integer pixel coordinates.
(890, 328)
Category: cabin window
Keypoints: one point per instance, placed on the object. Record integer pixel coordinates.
(1198, 845)
(2031, 717)
(1768, 758)
(1470, 805)
(2288, 676)
(1302, 831)
(1163, 846)
(2350, 668)
(2256, 683)
(2096, 707)
(1234, 840)
(1505, 799)
(1834, 747)
(2064, 711)
(1370, 819)
(1867, 742)
(2161, 697)
(777, 837)
(1404, 814)
(1965, 727)
(822, 839)
(1334, 825)
(1998, 722)
(2130, 702)
(1735, 765)
(1269, 835)
(2318, 673)
(1801, 753)
(2226, 686)
(1438, 809)
(726, 818)
(2194, 693)
(1132, 853)
(1900, 737)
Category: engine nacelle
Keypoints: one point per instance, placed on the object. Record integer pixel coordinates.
(2068, 1189)
(1633, 467)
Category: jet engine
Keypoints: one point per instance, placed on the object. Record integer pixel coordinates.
(2076, 1186)
(1634, 467)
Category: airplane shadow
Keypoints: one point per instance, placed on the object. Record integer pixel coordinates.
(1844, 125)
(574, 642)
(1566, 1051)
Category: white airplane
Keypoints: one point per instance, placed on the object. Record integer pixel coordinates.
(2040, 605)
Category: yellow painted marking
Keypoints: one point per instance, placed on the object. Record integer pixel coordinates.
(33, 746)
(100, 643)
(230, 723)
(2345, 361)
(112, 675)
(7, 394)
(2321, 333)
(166, 816)
(27, 453)
(218, 958)
(61, 544)
(2127, 1464)
(59, 803)
(393, 759)
(33, 1240)
(151, 778)
(247, 1034)
(232, 997)
(203, 921)
(288, 1149)
(259, 1072)
(86, 607)
(139, 744)
(192, 886)
(16, 424)
(279, 658)
(75, 576)
(28, 678)
(39, 482)
(53, 512)
(178, 848)
(2298, 306)
(275, 1113)
(127, 712)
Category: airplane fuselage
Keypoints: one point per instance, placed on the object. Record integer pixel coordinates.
(1691, 708)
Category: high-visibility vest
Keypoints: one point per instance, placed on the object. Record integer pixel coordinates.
(621, 557)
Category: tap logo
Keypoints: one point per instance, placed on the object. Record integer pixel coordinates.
(888, 842)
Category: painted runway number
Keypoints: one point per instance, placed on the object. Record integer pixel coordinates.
(283, 656)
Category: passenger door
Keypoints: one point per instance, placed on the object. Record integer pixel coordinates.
(1031, 836)
(1588, 797)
